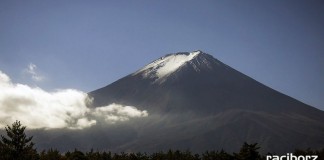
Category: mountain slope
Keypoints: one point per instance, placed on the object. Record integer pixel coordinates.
(197, 102)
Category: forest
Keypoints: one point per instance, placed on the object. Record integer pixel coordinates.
(16, 145)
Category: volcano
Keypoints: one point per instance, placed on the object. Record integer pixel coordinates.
(197, 102)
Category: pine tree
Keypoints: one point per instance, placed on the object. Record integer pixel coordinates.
(17, 145)
(248, 152)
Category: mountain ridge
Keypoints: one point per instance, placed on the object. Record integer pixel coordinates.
(239, 108)
(196, 61)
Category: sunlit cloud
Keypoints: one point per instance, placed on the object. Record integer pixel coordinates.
(116, 112)
(66, 108)
(32, 71)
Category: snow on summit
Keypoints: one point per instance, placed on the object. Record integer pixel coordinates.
(166, 65)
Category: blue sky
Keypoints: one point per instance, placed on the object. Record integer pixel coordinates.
(89, 44)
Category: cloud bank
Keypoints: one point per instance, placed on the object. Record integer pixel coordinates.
(66, 108)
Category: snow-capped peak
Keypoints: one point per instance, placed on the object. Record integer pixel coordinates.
(164, 66)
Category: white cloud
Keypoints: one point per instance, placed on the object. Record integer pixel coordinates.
(116, 112)
(4, 79)
(66, 108)
(31, 70)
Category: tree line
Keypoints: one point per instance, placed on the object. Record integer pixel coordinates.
(17, 146)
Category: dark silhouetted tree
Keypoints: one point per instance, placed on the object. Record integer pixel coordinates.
(75, 155)
(106, 156)
(51, 154)
(248, 152)
(17, 146)
(92, 155)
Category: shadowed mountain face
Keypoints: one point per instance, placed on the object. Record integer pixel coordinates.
(196, 102)
(202, 84)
